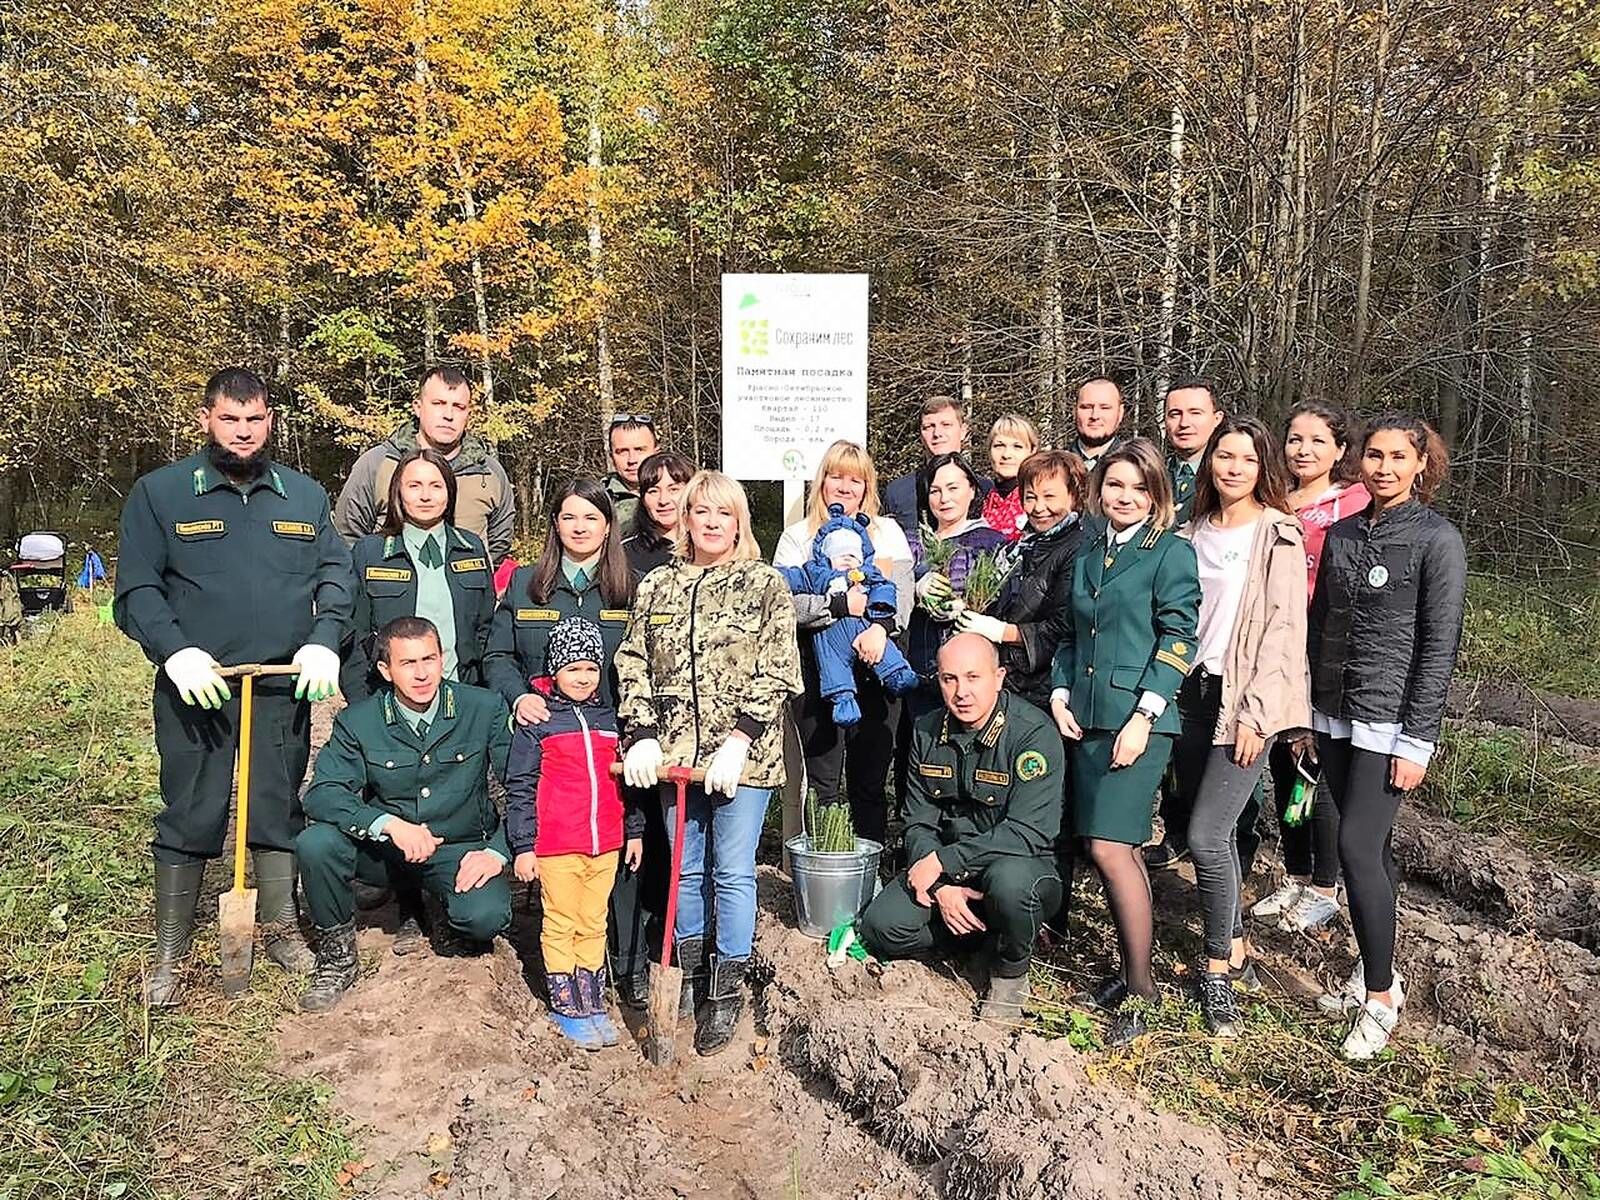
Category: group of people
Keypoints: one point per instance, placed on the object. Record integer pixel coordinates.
(1009, 672)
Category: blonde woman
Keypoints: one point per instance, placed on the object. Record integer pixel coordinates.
(707, 664)
(854, 759)
(1012, 439)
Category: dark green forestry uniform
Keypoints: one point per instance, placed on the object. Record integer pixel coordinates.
(988, 802)
(248, 573)
(522, 631)
(386, 588)
(1182, 473)
(1135, 604)
(376, 766)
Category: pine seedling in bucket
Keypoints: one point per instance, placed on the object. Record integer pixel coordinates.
(830, 827)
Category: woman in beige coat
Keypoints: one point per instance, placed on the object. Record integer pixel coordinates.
(1250, 671)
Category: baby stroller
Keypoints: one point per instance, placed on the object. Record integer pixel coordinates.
(41, 574)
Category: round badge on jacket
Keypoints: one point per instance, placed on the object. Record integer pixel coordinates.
(1378, 576)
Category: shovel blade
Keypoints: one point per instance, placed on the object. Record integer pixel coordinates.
(236, 915)
(666, 988)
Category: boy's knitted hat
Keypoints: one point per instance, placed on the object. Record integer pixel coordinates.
(573, 640)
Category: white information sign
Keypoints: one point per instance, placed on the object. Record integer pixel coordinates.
(794, 371)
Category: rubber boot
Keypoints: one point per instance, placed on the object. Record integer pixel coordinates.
(1006, 1000)
(277, 915)
(177, 894)
(337, 967)
(411, 934)
(592, 995)
(715, 1024)
(568, 1013)
(692, 959)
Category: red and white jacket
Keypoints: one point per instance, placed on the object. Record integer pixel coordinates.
(1318, 517)
(560, 796)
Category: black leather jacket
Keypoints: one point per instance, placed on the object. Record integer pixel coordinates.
(1385, 620)
(1036, 598)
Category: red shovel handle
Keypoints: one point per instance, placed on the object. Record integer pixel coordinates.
(680, 778)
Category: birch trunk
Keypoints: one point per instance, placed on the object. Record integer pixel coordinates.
(1173, 242)
(602, 333)
(1369, 207)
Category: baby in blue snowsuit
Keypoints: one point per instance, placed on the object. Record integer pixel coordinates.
(841, 562)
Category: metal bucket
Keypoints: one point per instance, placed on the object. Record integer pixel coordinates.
(831, 887)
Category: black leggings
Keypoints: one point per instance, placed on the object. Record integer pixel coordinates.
(1368, 805)
(1312, 847)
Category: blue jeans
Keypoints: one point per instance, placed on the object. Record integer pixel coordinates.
(726, 885)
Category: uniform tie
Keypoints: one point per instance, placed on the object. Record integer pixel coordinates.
(580, 580)
(430, 552)
(1185, 476)
(422, 726)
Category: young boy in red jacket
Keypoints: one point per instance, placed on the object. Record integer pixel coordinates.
(565, 820)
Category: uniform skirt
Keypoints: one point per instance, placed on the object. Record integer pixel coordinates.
(1115, 805)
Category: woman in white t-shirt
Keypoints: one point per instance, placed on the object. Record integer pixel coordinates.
(854, 760)
(1251, 682)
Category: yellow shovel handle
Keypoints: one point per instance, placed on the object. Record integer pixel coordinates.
(246, 710)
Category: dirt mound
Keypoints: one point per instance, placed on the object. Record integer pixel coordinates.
(1569, 717)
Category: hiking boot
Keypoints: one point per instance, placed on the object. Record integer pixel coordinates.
(336, 969)
(1006, 1000)
(593, 1000)
(567, 1012)
(277, 916)
(1165, 854)
(1370, 1031)
(719, 1016)
(1109, 995)
(1129, 1022)
(1312, 911)
(1280, 902)
(177, 893)
(1218, 1004)
(691, 953)
(411, 934)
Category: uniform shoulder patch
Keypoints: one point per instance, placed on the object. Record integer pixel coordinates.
(295, 529)
(197, 528)
(389, 574)
(462, 565)
(538, 614)
(1032, 765)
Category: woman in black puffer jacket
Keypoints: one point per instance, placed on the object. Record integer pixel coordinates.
(1384, 628)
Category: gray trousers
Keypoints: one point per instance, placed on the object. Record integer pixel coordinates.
(1225, 789)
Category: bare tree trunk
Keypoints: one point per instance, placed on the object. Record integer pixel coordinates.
(1173, 243)
(1369, 206)
(420, 74)
(480, 299)
(602, 333)
(1052, 331)
(1254, 250)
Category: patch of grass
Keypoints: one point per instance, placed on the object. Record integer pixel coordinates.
(1408, 1124)
(1532, 789)
(100, 1098)
(1533, 636)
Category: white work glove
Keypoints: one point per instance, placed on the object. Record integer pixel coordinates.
(194, 674)
(992, 628)
(641, 764)
(934, 593)
(319, 672)
(727, 765)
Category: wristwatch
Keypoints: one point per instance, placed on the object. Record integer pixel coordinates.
(1144, 712)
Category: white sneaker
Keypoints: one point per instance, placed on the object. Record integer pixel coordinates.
(1370, 1031)
(1353, 994)
(1280, 902)
(1312, 911)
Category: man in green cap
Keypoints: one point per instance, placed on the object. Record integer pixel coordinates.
(227, 557)
(402, 789)
(983, 809)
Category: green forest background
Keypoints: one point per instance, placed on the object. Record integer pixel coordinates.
(1384, 202)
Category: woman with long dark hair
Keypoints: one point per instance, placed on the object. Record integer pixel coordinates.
(1249, 685)
(649, 538)
(1321, 444)
(420, 565)
(1128, 647)
(1385, 626)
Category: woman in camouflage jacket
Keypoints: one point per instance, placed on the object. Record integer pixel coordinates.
(705, 670)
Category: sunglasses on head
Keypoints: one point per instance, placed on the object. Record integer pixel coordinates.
(644, 419)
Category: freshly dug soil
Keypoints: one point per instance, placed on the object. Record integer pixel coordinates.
(1569, 717)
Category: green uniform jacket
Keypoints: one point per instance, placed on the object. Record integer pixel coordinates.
(374, 765)
(1132, 627)
(386, 588)
(1183, 492)
(521, 633)
(979, 795)
(247, 576)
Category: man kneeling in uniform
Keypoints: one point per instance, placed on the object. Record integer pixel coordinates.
(403, 785)
(982, 808)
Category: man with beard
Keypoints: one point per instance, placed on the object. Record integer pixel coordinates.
(485, 501)
(227, 557)
(1098, 416)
